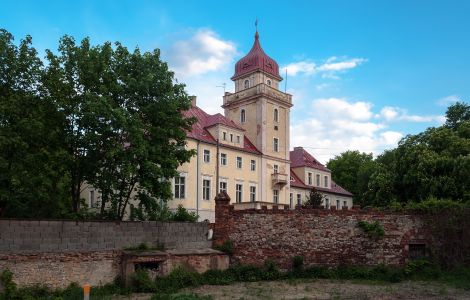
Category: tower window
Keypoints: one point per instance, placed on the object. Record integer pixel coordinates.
(268, 82)
(276, 115)
(276, 145)
(247, 84)
(276, 169)
(243, 116)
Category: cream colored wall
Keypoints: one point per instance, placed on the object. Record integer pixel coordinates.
(217, 131)
(230, 173)
(255, 79)
(331, 197)
(302, 173)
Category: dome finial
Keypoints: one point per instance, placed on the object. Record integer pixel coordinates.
(256, 26)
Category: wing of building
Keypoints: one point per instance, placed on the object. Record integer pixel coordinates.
(246, 151)
(255, 164)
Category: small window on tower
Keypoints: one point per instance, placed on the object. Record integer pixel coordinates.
(247, 84)
(243, 116)
(268, 82)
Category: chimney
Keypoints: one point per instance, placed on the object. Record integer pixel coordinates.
(193, 100)
(298, 148)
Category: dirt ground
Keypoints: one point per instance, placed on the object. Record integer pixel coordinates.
(326, 289)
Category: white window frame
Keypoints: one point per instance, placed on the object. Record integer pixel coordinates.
(206, 189)
(318, 179)
(253, 165)
(325, 183)
(183, 185)
(338, 204)
(238, 192)
(276, 144)
(275, 196)
(252, 193)
(223, 159)
(276, 169)
(239, 162)
(206, 155)
(223, 182)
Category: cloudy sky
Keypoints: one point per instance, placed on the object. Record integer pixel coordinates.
(363, 74)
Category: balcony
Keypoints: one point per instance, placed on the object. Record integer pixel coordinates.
(260, 89)
(279, 179)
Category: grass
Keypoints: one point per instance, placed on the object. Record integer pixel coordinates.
(169, 287)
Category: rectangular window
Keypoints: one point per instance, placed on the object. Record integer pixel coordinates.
(206, 189)
(318, 179)
(238, 193)
(276, 169)
(310, 180)
(252, 193)
(276, 145)
(238, 139)
(91, 202)
(338, 205)
(223, 186)
(276, 196)
(231, 138)
(207, 156)
(223, 159)
(345, 204)
(299, 199)
(326, 181)
(180, 186)
(291, 200)
(224, 135)
(239, 162)
(327, 203)
(253, 165)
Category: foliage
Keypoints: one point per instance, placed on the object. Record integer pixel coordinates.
(374, 230)
(431, 164)
(314, 199)
(183, 215)
(226, 247)
(100, 115)
(297, 263)
(352, 170)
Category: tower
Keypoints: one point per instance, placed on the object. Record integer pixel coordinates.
(263, 111)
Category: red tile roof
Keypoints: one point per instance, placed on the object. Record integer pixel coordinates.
(256, 60)
(204, 120)
(335, 188)
(296, 182)
(301, 158)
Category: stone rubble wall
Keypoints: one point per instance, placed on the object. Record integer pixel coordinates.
(321, 237)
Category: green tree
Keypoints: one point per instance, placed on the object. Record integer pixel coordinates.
(31, 178)
(352, 170)
(314, 198)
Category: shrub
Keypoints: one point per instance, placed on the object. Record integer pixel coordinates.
(226, 247)
(141, 281)
(373, 230)
(183, 215)
(178, 278)
(297, 263)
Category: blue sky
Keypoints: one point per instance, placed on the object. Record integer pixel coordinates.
(362, 73)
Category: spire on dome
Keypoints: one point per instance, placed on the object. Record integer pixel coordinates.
(256, 60)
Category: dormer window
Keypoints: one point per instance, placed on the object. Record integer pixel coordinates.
(276, 115)
(242, 116)
(224, 135)
(247, 84)
(268, 82)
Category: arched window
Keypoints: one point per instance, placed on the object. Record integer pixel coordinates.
(247, 84)
(268, 82)
(276, 115)
(242, 116)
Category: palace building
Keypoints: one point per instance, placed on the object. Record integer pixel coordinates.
(246, 151)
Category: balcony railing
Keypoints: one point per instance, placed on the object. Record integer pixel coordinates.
(258, 89)
(279, 179)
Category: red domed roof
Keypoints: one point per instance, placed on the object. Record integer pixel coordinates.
(256, 60)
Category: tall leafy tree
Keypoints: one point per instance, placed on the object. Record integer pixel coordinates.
(352, 170)
(31, 177)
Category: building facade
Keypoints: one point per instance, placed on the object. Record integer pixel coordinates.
(246, 151)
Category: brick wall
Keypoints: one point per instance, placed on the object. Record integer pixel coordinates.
(324, 237)
(47, 236)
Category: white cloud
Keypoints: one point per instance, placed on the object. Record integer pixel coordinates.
(391, 114)
(336, 125)
(329, 69)
(446, 101)
(203, 52)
